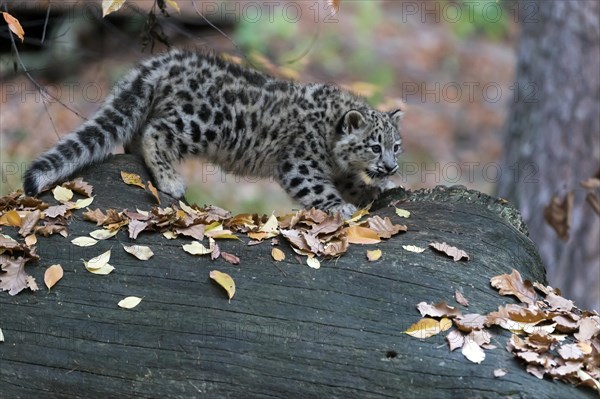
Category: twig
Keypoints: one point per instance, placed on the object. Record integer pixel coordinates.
(46, 22)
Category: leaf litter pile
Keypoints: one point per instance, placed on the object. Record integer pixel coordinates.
(311, 233)
(550, 335)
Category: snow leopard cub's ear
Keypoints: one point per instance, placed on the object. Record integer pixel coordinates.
(352, 122)
(396, 116)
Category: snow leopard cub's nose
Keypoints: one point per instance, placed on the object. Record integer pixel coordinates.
(391, 169)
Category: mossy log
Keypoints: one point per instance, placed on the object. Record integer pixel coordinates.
(289, 332)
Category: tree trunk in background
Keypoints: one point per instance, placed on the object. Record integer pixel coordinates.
(553, 137)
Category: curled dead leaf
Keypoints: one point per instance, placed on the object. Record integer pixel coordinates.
(52, 275)
(225, 281)
(453, 252)
(129, 302)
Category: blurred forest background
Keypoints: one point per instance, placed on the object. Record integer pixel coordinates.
(452, 65)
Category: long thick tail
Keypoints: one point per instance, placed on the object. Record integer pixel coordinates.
(115, 123)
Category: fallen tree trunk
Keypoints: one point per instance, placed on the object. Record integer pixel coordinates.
(290, 331)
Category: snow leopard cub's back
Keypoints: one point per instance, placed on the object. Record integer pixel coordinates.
(325, 147)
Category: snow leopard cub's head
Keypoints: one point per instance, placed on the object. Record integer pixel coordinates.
(368, 143)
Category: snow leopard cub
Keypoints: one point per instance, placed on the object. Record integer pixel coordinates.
(327, 148)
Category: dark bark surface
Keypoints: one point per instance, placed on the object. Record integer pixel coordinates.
(290, 331)
(553, 137)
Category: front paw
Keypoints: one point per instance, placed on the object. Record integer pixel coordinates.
(345, 210)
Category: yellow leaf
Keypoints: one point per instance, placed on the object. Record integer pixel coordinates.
(173, 4)
(277, 254)
(169, 235)
(413, 248)
(402, 213)
(103, 234)
(196, 248)
(356, 216)
(104, 270)
(84, 241)
(361, 235)
(11, 218)
(313, 262)
(225, 281)
(374, 255)
(221, 234)
(98, 261)
(62, 194)
(141, 252)
(52, 275)
(154, 192)
(83, 203)
(130, 302)
(271, 226)
(132, 179)
(30, 240)
(424, 328)
(14, 25)
(445, 324)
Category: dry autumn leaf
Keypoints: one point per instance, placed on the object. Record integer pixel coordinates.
(558, 214)
(424, 328)
(313, 262)
(413, 248)
(453, 252)
(129, 302)
(374, 255)
(402, 213)
(55, 211)
(231, 258)
(441, 309)
(30, 240)
(154, 191)
(83, 203)
(14, 25)
(11, 218)
(173, 4)
(277, 254)
(62, 194)
(132, 179)
(499, 373)
(361, 235)
(15, 279)
(103, 234)
(98, 261)
(79, 186)
(52, 275)
(103, 271)
(141, 252)
(225, 281)
(384, 226)
(84, 241)
(196, 248)
(110, 6)
(455, 339)
(460, 298)
(472, 351)
(513, 284)
(136, 227)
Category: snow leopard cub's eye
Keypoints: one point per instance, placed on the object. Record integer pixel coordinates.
(396, 147)
(376, 148)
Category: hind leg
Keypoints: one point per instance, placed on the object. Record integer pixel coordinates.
(160, 157)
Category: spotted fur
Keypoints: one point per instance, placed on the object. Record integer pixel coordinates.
(326, 147)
